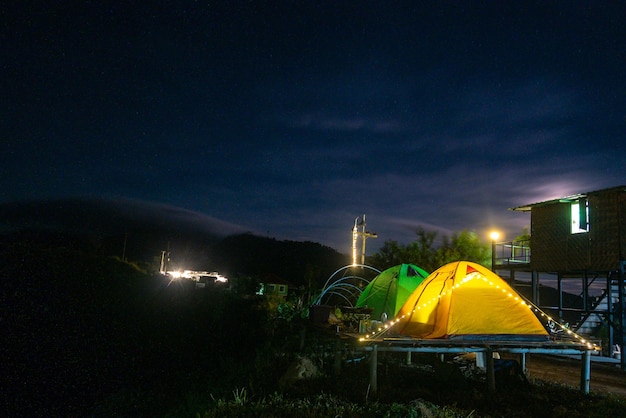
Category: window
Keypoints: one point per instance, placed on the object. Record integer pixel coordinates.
(281, 288)
(580, 216)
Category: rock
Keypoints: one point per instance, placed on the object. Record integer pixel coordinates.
(302, 368)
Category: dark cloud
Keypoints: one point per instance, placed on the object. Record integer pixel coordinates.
(291, 119)
(110, 216)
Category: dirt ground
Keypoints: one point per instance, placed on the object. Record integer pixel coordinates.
(605, 377)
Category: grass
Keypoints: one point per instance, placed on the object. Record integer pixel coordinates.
(96, 337)
(417, 391)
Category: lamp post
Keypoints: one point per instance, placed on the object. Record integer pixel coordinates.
(494, 235)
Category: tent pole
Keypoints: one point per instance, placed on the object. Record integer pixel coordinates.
(408, 357)
(522, 362)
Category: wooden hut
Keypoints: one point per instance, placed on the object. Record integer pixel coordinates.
(582, 236)
(582, 232)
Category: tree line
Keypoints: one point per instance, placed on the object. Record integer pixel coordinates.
(423, 252)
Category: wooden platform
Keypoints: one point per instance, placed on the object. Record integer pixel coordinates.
(474, 345)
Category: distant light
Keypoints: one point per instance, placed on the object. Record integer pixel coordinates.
(221, 279)
(197, 276)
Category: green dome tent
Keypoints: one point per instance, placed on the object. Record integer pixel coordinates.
(388, 291)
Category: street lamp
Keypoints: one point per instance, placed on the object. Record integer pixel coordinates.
(494, 235)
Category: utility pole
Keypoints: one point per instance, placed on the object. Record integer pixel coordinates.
(124, 249)
(162, 267)
(364, 234)
(165, 258)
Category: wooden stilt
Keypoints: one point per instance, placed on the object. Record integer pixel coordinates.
(491, 378)
(585, 372)
(373, 368)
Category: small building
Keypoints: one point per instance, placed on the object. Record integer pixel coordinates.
(275, 286)
(578, 238)
(582, 232)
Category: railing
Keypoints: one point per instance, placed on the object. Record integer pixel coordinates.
(512, 252)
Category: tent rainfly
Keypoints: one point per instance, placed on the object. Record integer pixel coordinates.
(388, 291)
(466, 300)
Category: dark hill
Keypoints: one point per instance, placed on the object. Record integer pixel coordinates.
(111, 216)
(80, 333)
(130, 229)
(86, 334)
(134, 230)
(140, 231)
(296, 262)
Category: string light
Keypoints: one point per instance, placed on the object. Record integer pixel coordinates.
(387, 326)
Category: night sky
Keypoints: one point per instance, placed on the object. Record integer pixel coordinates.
(290, 119)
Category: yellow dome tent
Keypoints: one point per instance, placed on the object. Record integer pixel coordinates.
(466, 300)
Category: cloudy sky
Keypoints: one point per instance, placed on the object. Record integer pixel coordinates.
(290, 119)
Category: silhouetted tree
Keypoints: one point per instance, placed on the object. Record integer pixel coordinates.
(464, 245)
(524, 237)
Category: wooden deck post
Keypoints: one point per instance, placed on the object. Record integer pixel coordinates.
(373, 368)
(491, 378)
(585, 372)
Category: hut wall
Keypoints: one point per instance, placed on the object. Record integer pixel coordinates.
(549, 230)
(622, 226)
(606, 230)
(555, 248)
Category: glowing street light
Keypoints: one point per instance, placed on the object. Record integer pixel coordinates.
(495, 236)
